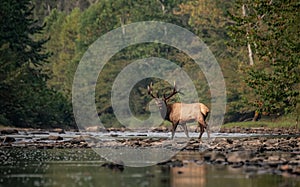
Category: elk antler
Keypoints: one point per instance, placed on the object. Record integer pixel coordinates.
(150, 90)
(174, 92)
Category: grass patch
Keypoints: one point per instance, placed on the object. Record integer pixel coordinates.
(287, 121)
(4, 127)
(268, 124)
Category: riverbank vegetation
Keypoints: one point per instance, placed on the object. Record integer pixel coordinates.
(255, 42)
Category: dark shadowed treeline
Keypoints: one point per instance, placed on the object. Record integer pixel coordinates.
(26, 100)
(255, 42)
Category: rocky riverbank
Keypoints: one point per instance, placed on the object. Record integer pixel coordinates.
(277, 152)
(262, 130)
(279, 155)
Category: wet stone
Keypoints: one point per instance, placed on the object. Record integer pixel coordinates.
(296, 170)
(58, 130)
(38, 132)
(237, 165)
(230, 141)
(234, 158)
(219, 160)
(285, 168)
(114, 166)
(45, 146)
(55, 137)
(77, 140)
(8, 139)
(172, 163)
(294, 162)
(270, 154)
(274, 158)
(9, 131)
(216, 157)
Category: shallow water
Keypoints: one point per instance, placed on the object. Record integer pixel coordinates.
(36, 136)
(82, 167)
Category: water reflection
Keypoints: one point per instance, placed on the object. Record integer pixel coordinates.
(92, 174)
(83, 167)
(190, 174)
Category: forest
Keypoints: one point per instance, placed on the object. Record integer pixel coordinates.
(256, 43)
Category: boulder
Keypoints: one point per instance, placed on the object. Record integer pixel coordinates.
(230, 141)
(77, 140)
(296, 170)
(285, 168)
(214, 157)
(9, 131)
(8, 139)
(234, 158)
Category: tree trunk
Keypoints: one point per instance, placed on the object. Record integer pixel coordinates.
(251, 62)
(256, 116)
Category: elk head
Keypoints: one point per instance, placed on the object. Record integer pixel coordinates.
(162, 102)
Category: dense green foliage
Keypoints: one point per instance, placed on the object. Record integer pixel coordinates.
(272, 29)
(35, 93)
(25, 99)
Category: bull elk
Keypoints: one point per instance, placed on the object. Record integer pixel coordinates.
(181, 113)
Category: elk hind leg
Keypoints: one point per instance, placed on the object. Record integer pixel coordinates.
(185, 130)
(207, 130)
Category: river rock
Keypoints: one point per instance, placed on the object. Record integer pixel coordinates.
(77, 140)
(234, 158)
(214, 157)
(118, 166)
(9, 131)
(58, 130)
(296, 170)
(95, 129)
(285, 167)
(52, 137)
(160, 129)
(8, 139)
(172, 163)
(220, 160)
(230, 141)
(274, 158)
(294, 162)
(113, 129)
(45, 146)
(39, 132)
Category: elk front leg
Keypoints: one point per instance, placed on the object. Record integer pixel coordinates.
(174, 126)
(201, 130)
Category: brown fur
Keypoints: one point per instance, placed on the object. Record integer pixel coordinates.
(182, 113)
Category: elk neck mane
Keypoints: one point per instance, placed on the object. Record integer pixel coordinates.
(165, 111)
